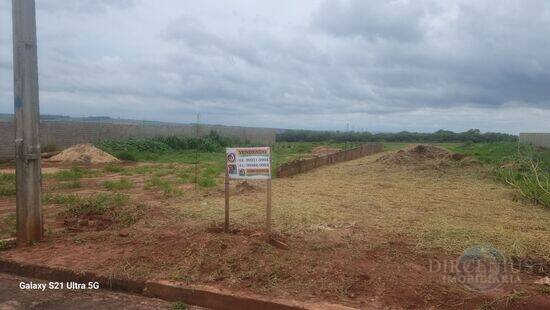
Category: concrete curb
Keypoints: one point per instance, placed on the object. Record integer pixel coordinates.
(203, 296)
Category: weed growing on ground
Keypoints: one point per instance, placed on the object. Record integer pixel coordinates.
(8, 226)
(118, 185)
(146, 169)
(7, 184)
(76, 205)
(522, 166)
(152, 149)
(129, 215)
(73, 174)
(67, 185)
(179, 306)
(113, 168)
(167, 187)
(185, 175)
(207, 181)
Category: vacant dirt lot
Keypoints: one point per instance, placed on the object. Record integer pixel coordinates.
(364, 233)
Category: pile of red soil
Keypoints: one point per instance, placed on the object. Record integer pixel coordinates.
(423, 154)
(84, 154)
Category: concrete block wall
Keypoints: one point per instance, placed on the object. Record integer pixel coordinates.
(537, 139)
(64, 134)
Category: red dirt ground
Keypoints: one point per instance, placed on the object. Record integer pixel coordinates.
(378, 271)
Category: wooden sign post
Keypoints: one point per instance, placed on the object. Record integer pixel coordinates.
(226, 225)
(268, 206)
(248, 163)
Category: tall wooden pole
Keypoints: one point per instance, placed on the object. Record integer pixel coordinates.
(27, 118)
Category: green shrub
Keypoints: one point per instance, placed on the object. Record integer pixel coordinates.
(523, 166)
(150, 149)
(125, 155)
(529, 172)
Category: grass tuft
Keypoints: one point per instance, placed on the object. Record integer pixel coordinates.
(7, 229)
(179, 306)
(7, 184)
(121, 184)
(67, 185)
(113, 168)
(73, 174)
(167, 187)
(77, 205)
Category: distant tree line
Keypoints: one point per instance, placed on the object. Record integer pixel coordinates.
(472, 135)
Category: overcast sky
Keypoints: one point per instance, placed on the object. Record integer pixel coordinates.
(315, 64)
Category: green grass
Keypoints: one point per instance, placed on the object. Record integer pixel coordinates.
(206, 181)
(491, 153)
(73, 174)
(7, 184)
(179, 306)
(524, 167)
(156, 148)
(168, 188)
(67, 185)
(76, 205)
(113, 168)
(118, 185)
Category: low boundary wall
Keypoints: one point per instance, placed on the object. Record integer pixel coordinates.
(537, 139)
(300, 166)
(63, 134)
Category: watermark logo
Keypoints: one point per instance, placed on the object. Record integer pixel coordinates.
(479, 268)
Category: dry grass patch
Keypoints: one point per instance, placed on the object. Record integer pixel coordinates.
(450, 209)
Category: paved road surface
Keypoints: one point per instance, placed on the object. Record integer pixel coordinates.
(12, 297)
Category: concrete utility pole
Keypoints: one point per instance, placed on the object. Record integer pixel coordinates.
(27, 119)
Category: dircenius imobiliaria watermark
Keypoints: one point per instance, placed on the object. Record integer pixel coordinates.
(479, 268)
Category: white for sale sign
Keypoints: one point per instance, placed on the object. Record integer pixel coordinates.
(249, 163)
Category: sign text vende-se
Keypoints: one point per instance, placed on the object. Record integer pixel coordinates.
(249, 163)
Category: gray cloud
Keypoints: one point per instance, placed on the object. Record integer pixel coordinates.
(384, 65)
(375, 20)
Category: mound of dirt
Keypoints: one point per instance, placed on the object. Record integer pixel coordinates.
(324, 150)
(423, 154)
(85, 154)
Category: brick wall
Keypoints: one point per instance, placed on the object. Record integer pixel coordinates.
(64, 134)
(300, 166)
